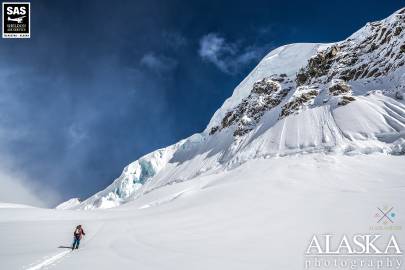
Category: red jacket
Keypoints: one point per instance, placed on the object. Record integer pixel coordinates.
(79, 233)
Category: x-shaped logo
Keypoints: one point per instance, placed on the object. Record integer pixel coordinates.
(386, 215)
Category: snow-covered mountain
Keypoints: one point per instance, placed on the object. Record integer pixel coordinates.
(344, 97)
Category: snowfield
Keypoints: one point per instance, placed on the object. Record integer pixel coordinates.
(311, 142)
(260, 215)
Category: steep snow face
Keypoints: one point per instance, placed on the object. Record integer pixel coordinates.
(345, 97)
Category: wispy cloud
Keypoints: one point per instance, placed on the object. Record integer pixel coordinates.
(158, 63)
(229, 57)
(77, 134)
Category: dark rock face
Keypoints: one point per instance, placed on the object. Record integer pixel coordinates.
(214, 129)
(346, 100)
(370, 56)
(265, 86)
(318, 65)
(339, 88)
(297, 103)
(301, 78)
(265, 95)
(398, 31)
(399, 95)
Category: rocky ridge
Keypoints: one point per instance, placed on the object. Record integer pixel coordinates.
(373, 52)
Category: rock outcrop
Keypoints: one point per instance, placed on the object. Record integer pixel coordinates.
(265, 95)
(371, 53)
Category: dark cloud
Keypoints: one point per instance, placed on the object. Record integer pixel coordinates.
(67, 133)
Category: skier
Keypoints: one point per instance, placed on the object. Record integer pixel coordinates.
(77, 236)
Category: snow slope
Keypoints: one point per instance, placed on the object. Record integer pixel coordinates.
(69, 204)
(343, 97)
(260, 215)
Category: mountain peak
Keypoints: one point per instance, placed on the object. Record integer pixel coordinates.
(344, 98)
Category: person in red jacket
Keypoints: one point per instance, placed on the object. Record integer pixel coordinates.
(77, 236)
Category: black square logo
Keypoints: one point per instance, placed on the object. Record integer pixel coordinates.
(16, 20)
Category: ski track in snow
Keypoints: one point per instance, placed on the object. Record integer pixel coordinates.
(57, 257)
(49, 261)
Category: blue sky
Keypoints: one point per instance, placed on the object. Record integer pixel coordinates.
(101, 83)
